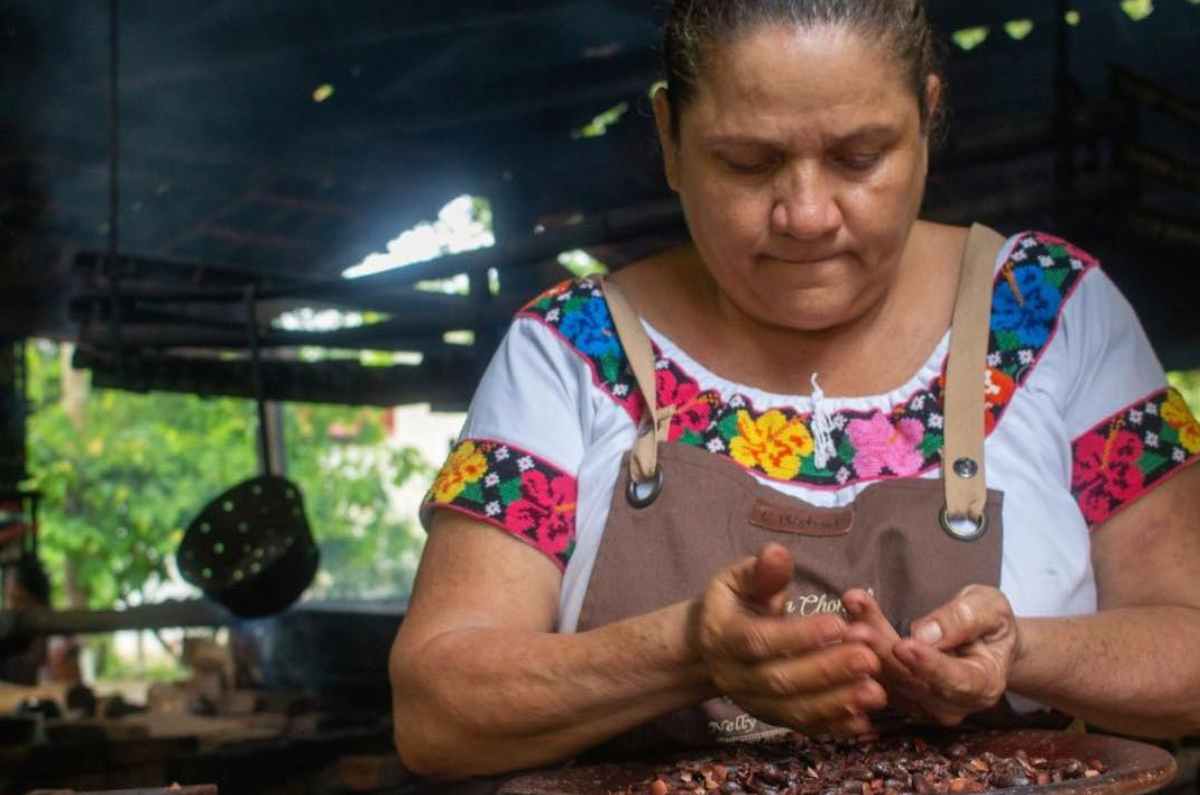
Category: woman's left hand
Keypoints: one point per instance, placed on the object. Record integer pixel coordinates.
(959, 657)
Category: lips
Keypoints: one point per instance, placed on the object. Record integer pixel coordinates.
(801, 260)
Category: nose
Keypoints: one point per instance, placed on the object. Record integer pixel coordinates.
(805, 206)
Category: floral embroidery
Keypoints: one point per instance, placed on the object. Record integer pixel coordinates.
(1029, 315)
(693, 411)
(772, 443)
(1106, 472)
(547, 513)
(867, 445)
(1175, 411)
(465, 467)
(998, 389)
(1124, 456)
(883, 446)
(590, 329)
(513, 490)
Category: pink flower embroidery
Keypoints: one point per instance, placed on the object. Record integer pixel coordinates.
(692, 411)
(546, 512)
(881, 444)
(1105, 472)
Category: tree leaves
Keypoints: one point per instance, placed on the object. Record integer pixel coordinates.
(119, 491)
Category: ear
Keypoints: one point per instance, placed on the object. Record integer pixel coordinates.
(666, 139)
(933, 96)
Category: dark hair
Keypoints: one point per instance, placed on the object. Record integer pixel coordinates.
(695, 27)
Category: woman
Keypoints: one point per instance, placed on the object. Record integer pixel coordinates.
(782, 547)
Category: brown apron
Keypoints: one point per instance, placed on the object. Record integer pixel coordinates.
(680, 514)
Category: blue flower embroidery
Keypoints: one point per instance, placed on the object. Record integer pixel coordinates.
(590, 329)
(1031, 318)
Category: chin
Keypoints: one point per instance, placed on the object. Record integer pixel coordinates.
(805, 310)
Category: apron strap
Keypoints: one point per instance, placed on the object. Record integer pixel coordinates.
(962, 454)
(643, 462)
(965, 479)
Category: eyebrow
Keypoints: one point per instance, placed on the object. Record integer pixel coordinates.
(867, 131)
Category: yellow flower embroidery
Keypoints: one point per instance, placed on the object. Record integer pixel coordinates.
(465, 466)
(1176, 414)
(772, 443)
(1189, 437)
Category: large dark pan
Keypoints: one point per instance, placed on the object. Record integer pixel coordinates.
(251, 548)
(1130, 767)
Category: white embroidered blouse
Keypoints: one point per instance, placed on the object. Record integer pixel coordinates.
(1079, 417)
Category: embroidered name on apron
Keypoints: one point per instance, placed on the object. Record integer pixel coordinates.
(819, 524)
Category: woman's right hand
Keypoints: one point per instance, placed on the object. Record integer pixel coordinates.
(786, 670)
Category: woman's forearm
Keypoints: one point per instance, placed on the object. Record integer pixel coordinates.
(1132, 670)
(482, 701)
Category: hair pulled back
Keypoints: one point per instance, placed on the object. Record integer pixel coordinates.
(695, 28)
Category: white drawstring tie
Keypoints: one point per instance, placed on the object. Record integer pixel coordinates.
(822, 427)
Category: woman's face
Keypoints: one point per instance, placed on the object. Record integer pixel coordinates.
(801, 167)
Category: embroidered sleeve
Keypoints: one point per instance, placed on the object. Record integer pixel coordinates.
(513, 490)
(517, 459)
(1131, 452)
(576, 313)
(1129, 431)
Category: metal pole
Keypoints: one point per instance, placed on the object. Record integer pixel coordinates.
(264, 443)
(114, 181)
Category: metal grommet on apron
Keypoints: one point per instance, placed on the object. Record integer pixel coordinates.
(962, 527)
(643, 493)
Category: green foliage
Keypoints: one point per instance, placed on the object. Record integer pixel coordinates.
(600, 124)
(1188, 383)
(120, 488)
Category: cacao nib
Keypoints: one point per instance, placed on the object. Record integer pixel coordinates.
(889, 766)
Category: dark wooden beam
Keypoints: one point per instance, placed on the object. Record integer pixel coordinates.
(1152, 96)
(445, 381)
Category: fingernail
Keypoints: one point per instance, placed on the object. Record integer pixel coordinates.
(833, 631)
(929, 632)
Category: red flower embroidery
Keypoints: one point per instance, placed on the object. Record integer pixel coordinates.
(546, 512)
(998, 390)
(552, 292)
(1105, 472)
(693, 412)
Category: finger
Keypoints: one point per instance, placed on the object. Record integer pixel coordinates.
(975, 613)
(953, 679)
(860, 727)
(725, 599)
(772, 575)
(817, 672)
(756, 638)
(881, 642)
(848, 704)
(760, 581)
(872, 627)
(863, 607)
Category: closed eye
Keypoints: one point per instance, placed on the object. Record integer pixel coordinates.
(748, 167)
(864, 161)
